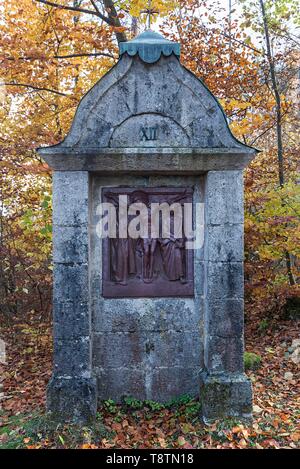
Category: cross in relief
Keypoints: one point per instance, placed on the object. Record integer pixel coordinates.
(149, 12)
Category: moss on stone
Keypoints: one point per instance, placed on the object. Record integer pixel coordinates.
(252, 361)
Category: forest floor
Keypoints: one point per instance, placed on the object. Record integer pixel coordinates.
(135, 424)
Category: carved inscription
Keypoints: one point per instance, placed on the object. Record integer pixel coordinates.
(148, 133)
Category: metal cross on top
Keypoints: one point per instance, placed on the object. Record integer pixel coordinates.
(149, 12)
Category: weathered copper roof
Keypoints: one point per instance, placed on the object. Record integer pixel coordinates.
(150, 46)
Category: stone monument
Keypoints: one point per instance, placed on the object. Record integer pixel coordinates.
(148, 318)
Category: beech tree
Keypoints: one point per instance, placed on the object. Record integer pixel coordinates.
(52, 52)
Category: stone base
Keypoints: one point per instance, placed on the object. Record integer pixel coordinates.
(225, 395)
(72, 399)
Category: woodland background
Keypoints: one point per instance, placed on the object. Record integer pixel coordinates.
(247, 53)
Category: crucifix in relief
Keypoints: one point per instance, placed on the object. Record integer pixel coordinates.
(148, 265)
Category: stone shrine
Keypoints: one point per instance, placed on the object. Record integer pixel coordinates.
(148, 318)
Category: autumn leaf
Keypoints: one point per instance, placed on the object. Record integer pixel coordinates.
(295, 436)
(181, 441)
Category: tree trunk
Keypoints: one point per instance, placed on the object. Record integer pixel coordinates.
(134, 26)
(113, 16)
(278, 122)
(276, 95)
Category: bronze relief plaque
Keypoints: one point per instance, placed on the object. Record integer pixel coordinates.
(148, 266)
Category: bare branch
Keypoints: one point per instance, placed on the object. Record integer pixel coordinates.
(70, 56)
(88, 54)
(267, 130)
(112, 13)
(95, 6)
(262, 133)
(78, 9)
(112, 19)
(242, 43)
(36, 88)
